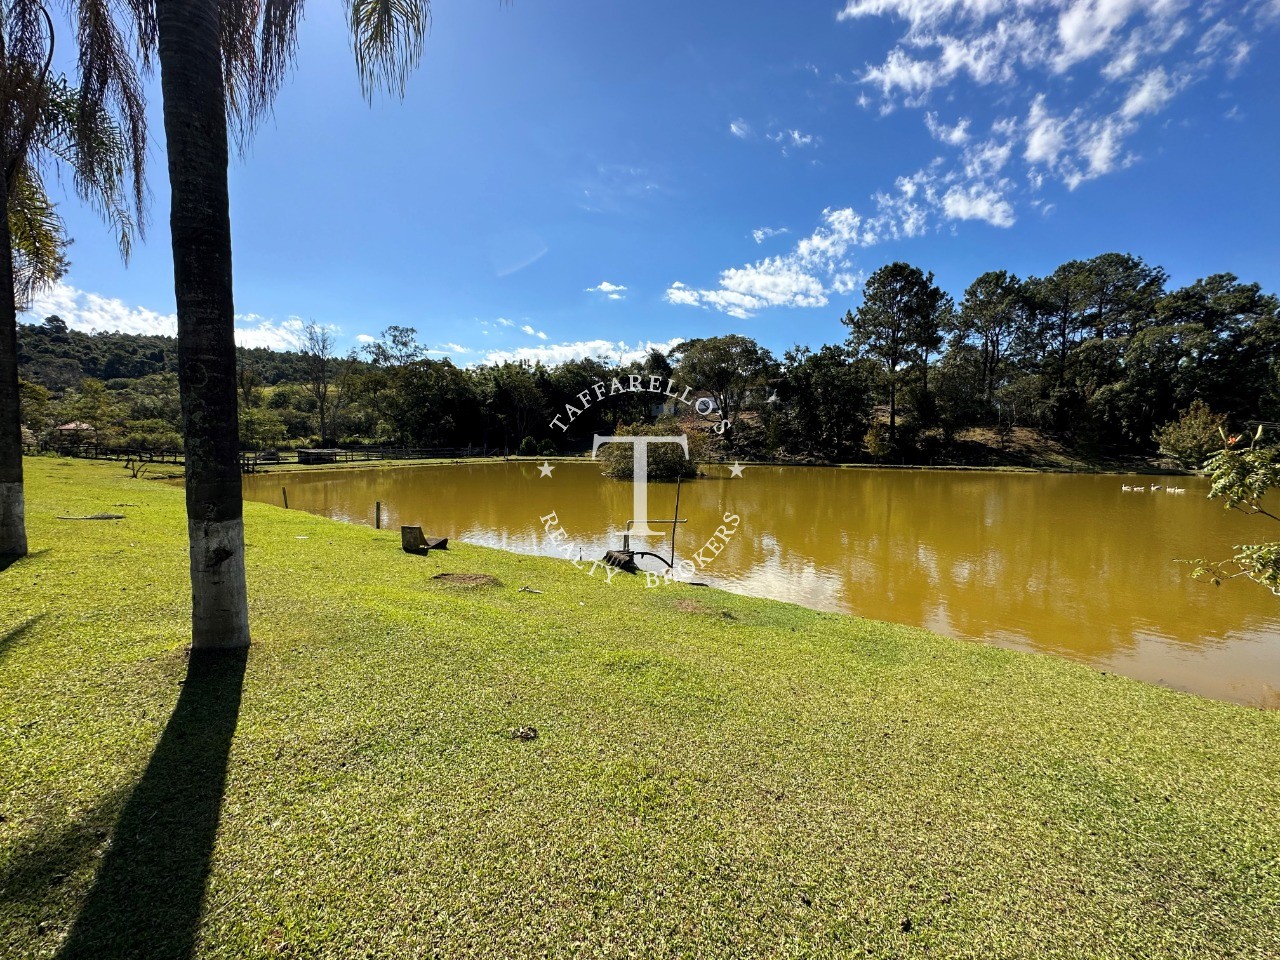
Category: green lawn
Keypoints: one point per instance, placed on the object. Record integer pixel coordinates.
(714, 776)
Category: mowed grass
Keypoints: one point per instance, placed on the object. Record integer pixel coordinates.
(713, 776)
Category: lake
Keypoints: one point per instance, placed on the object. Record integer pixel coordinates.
(1070, 565)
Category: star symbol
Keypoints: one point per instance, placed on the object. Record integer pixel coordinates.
(545, 469)
(736, 470)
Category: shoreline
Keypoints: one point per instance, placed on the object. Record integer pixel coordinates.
(1134, 470)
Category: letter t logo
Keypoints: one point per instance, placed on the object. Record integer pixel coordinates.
(640, 475)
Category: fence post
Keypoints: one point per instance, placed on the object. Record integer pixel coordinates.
(285, 493)
(377, 515)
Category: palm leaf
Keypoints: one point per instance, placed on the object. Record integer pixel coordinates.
(387, 37)
(38, 237)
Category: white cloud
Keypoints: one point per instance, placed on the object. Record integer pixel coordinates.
(988, 158)
(1069, 82)
(919, 12)
(1046, 134)
(1081, 74)
(1239, 54)
(955, 135)
(611, 291)
(610, 351)
(740, 129)
(761, 234)
(93, 313)
(1101, 151)
(905, 212)
(745, 290)
(793, 140)
(986, 57)
(822, 263)
(1215, 37)
(901, 72)
(977, 202)
(526, 328)
(365, 338)
(1149, 95)
(681, 294)
(254, 331)
(845, 283)
(795, 279)
(1088, 27)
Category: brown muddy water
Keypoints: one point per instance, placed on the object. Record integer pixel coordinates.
(1056, 563)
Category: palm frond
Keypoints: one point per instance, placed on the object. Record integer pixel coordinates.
(259, 39)
(26, 50)
(96, 152)
(280, 20)
(38, 237)
(238, 23)
(387, 37)
(110, 86)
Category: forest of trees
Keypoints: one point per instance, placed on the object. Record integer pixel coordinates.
(1100, 354)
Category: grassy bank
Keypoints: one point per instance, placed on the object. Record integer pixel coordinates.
(713, 776)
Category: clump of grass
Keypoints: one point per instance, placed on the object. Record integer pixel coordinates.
(712, 775)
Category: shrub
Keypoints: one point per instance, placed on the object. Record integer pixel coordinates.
(547, 448)
(528, 447)
(152, 435)
(666, 460)
(1192, 437)
(877, 441)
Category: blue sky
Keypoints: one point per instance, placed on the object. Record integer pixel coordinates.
(575, 178)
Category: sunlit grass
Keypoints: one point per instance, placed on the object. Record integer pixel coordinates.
(713, 776)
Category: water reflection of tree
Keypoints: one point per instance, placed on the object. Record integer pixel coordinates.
(1056, 562)
(1061, 563)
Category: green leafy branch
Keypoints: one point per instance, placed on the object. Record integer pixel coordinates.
(1241, 477)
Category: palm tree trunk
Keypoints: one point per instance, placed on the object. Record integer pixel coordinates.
(13, 529)
(195, 124)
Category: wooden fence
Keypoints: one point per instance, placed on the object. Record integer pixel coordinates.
(250, 461)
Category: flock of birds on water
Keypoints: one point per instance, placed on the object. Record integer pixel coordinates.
(1154, 488)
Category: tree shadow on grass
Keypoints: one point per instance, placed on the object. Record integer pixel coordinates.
(40, 871)
(13, 636)
(147, 898)
(7, 561)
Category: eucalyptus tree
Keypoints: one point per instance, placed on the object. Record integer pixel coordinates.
(46, 124)
(221, 64)
(393, 359)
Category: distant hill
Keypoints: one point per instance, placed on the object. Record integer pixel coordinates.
(58, 358)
